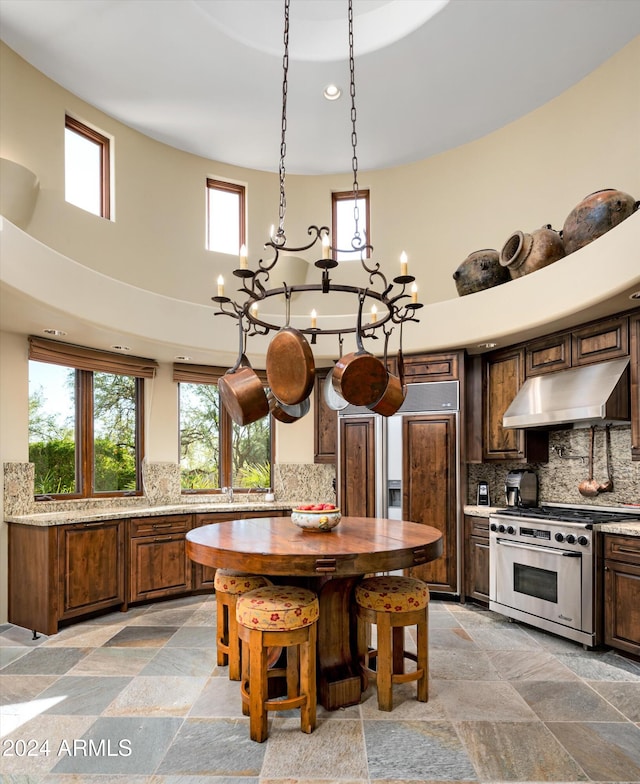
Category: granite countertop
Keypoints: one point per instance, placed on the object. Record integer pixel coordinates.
(480, 511)
(117, 513)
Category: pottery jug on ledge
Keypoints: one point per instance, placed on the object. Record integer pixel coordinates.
(480, 270)
(595, 215)
(523, 253)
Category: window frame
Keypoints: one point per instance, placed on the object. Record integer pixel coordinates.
(228, 187)
(339, 196)
(104, 143)
(85, 362)
(210, 374)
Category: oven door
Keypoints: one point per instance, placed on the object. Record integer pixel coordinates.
(543, 581)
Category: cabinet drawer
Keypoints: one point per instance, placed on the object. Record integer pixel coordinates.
(479, 526)
(431, 367)
(605, 340)
(168, 524)
(622, 548)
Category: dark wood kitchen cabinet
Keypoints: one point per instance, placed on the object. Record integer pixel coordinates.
(476, 558)
(634, 335)
(358, 466)
(158, 562)
(600, 341)
(326, 422)
(504, 374)
(63, 572)
(622, 592)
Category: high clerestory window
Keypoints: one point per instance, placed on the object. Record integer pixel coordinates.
(343, 219)
(86, 415)
(214, 451)
(87, 168)
(225, 216)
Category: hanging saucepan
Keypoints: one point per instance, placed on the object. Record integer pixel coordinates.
(396, 391)
(359, 377)
(290, 365)
(287, 414)
(333, 400)
(241, 389)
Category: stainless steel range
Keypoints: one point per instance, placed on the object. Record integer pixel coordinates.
(542, 563)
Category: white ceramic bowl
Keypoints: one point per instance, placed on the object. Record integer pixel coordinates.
(316, 520)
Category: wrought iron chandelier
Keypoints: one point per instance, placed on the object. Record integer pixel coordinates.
(393, 303)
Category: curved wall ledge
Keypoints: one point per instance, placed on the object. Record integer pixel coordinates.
(40, 285)
(19, 189)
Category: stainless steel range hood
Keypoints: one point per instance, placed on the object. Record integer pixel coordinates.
(589, 395)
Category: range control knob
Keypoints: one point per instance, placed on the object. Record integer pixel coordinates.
(511, 530)
(501, 528)
(559, 537)
(493, 527)
(571, 539)
(583, 540)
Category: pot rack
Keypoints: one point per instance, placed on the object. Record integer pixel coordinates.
(398, 304)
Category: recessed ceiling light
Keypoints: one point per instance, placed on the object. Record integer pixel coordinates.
(332, 92)
(635, 295)
(121, 348)
(487, 345)
(183, 359)
(56, 332)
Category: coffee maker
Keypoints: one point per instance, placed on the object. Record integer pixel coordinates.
(521, 488)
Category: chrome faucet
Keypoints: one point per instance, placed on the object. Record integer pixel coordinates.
(229, 492)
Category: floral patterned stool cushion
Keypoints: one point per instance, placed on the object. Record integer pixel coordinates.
(392, 603)
(282, 617)
(392, 594)
(229, 584)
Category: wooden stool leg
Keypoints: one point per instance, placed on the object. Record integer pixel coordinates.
(308, 681)
(385, 663)
(258, 687)
(293, 671)
(423, 657)
(222, 631)
(234, 642)
(245, 674)
(398, 649)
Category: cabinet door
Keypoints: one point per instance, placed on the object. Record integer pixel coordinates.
(431, 367)
(159, 567)
(91, 567)
(476, 558)
(622, 606)
(357, 466)
(326, 423)
(601, 341)
(634, 326)
(504, 375)
(548, 355)
(429, 490)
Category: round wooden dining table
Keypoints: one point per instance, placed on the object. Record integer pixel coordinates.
(329, 562)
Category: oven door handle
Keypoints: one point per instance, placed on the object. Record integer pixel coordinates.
(540, 549)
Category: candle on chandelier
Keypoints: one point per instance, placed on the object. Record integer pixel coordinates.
(243, 256)
(220, 286)
(326, 247)
(414, 294)
(403, 263)
(374, 314)
(314, 319)
(254, 309)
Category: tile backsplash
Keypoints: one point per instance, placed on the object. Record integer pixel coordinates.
(568, 465)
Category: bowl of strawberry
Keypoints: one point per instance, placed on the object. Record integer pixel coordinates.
(316, 517)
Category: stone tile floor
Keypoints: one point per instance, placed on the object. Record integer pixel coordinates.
(137, 698)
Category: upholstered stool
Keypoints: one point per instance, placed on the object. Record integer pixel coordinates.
(392, 603)
(229, 584)
(270, 617)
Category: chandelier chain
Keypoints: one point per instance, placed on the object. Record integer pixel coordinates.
(354, 135)
(280, 235)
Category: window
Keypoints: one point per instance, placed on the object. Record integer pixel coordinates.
(344, 225)
(214, 451)
(225, 216)
(86, 414)
(86, 168)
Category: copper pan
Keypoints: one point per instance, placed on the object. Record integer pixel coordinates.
(396, 391)
(333, 400)
(359, 377)
(241, 390)
(287, 414)
(290, 364)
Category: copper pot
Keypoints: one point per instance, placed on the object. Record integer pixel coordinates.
(287, 414)
(524, 253)
(595, 215)
(359, 377)
(396, 391)
(480, 270)
(241, 389)
(290, 364)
